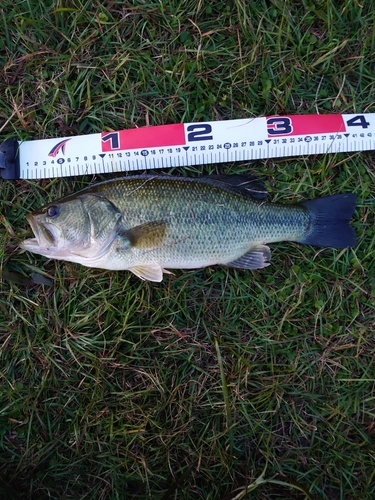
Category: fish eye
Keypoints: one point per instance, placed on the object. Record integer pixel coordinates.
(53, 211)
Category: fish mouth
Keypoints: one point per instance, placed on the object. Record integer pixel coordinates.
(45, 234)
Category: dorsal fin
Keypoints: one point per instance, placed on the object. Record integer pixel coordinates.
(246, 184)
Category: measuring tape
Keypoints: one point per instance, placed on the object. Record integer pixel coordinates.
(184, 144)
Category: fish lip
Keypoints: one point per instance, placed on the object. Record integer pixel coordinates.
(34, 226)
(45, 233)
(31, 244)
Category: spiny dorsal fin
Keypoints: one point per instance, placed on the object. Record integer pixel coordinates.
(246, 184)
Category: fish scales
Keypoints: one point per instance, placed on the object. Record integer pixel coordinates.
(206, 224)
(148, 224)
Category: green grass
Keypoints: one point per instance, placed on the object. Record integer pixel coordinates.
(216, 383)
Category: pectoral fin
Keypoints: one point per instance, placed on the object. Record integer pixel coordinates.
(148, 235)
(257, 258)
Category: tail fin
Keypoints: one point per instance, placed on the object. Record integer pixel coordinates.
(330, 219)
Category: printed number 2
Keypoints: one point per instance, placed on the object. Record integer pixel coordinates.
(199, 132)
(358, 121)
(113, 137)
(279, 125)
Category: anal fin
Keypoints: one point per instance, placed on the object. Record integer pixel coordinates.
(257, 258)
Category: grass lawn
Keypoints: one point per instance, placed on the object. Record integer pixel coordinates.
(215, 383)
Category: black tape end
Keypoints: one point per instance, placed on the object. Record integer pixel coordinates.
(9, 160)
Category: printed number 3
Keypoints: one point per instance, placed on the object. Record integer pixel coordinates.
(279, 125)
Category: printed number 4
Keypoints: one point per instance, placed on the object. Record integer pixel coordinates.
(358, 121)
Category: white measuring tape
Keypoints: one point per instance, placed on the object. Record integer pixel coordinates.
(186, 144)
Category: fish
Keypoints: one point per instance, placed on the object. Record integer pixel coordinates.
(151, 224)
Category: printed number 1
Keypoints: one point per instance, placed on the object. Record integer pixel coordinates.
(114, 139)
(358, 121)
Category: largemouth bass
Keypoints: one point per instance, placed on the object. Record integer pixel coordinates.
(148, 224)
